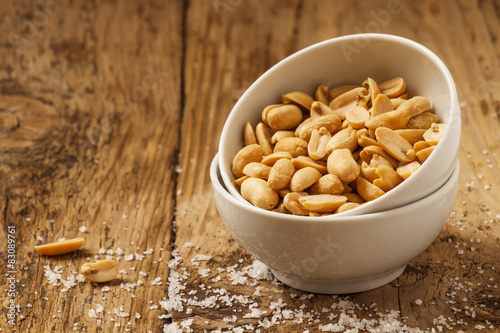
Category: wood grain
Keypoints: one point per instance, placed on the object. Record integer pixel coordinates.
(111, 112)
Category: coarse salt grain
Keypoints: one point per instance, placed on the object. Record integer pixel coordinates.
(157, 281)
(83, 229)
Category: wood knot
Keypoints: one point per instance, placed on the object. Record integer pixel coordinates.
(24, 120)
(8, 121)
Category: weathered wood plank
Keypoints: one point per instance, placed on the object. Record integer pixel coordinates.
(95, 88)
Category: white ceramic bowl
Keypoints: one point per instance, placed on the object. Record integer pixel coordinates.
(351, 59)
(346, 255)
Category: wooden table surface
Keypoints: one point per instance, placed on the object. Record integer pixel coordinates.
(110, 113)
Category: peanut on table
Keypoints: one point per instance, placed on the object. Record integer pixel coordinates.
(346, 146)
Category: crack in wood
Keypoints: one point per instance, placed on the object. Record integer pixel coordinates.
(175, 175)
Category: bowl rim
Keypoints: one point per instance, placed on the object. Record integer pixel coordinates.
(216, 183)
(453, 120)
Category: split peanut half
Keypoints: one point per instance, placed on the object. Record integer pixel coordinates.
(60, 247)
(101, 271)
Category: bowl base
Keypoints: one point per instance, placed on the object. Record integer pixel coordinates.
(338, 286)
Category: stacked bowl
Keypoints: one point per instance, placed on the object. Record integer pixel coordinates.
(368, 246)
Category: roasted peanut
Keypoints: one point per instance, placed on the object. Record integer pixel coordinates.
(389, 178)
(393, 88)
(422, 121)
(372, 87)
(415, 106)
(319, 109)
(240, 180)
(347, 188)
(266, 110)
(354, 197)
(393, 119)
(318, 142)
(299, 98)
(263, 137)
(434, 134)
(60, 247)
(337, 91)
(280, 135)
(327, 184)
(419, 145)
(101, 271)
(322, 94)
(281, 173)
(301, 162)
(347, 206)
(283, 192)
(257, 170)
(411, 135)
(367, 190)
(368, 152)
(249, 135)
(274, 157)
(280, 208)
(259, 193)
(396, 102)
(303, 178)
(368, 172)
(357, 117)
(364, 138)
(291, 202)
(341, 104)
(355, 154)
(341, 164)
(424, 154)
(322, 203)
(394, 144)
(247, 154)
(331, 122)
(293, 145)
(381, 104)
(406, 170)
(284, 117)
(378, 160)
(345, 138)
(306, 121)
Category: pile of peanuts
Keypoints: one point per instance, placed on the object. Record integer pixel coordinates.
(329, 154)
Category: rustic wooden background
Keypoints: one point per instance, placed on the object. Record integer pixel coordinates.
(111, 111)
